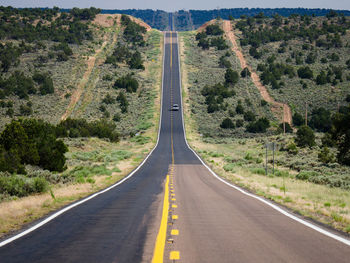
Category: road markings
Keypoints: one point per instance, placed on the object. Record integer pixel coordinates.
(174, 232)
(174, 255)
(174, 217)
(174, 206)
(161, 238)
(69, 207)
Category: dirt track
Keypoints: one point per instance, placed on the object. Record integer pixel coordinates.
(276, 107)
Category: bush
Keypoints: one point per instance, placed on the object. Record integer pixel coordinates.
(305, 175)
(258, 126)
(292, 148)
(214, 30)
(19, 185)
(305, 73)
(231, 76)
(108, 99)
(298, 119)
(341, 135)
(325, 156)
(227, 124)
(305, 137)
(321, 120)
(239, 109)
(219, 43)
(45, 82)
(126, 82)
(249, 116)
(81, 128)
(245, 72)
(239, 123)
(135, 62)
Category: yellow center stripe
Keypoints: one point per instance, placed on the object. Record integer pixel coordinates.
(161, 238)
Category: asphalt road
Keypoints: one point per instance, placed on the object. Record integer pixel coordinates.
(215, 223)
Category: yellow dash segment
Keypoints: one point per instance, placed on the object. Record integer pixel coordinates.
(173, 199)
(174, 206)
(174, 255)
(158, 252)
(172, 194)
(175, 217)
(174, 232)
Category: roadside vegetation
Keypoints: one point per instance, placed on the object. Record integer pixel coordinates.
(311, 169)
(224, 100)
(76, 115)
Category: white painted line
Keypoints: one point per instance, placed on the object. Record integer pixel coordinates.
(277, 208)
(60, 212)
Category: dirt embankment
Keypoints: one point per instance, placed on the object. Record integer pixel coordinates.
(204, 26)
(276, 107)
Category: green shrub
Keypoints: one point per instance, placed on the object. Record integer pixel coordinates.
(227, 124)
(260, 171)
(306, 175)
(282, 173)
(305, 73)
(292, 148)
(19, 185)
(298, 119)
(305, 137)
(231, 77)
(126, 82)
(325, 156)
(230, 167)
(214, 30)
(258, 126)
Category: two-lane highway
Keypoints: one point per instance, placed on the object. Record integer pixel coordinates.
(209, 221)
(121, 224)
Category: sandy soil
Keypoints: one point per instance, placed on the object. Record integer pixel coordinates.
(276, 107)
(107, 20)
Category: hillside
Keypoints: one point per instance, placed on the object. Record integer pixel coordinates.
(234, 121)
(78, 77)
(304, 63)
(79, 96)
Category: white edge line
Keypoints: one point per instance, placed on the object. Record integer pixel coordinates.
(58, 213)
(277, 208)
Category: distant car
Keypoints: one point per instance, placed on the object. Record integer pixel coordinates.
(175, 107)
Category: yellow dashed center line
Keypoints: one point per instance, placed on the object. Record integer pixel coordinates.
(158, 254)
(174, 232)
(174, 255)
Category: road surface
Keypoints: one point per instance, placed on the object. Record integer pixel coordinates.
(208, 221)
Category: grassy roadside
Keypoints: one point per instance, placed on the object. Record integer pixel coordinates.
(241, 162)
(94, 164)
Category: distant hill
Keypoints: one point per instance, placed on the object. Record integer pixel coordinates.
(192, 19)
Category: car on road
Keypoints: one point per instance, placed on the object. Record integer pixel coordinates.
(175, 107)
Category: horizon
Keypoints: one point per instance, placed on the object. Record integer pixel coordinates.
(153, 9)
(180, 4)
